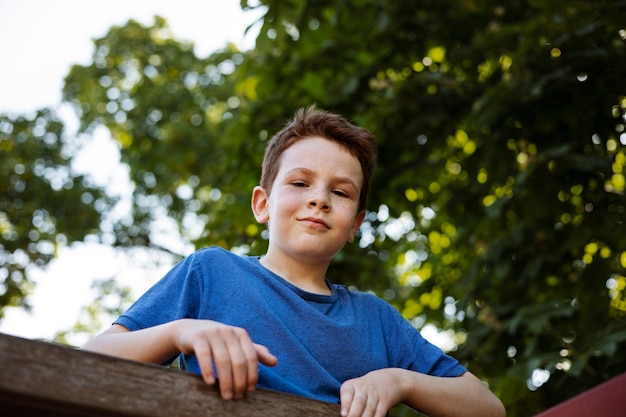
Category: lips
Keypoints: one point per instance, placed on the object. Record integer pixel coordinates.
(315, 222)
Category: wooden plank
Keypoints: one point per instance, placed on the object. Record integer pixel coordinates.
(41, 378)
(605, 400)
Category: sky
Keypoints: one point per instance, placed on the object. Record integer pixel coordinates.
(39, 41)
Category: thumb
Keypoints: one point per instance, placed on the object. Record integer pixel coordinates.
(264, 355)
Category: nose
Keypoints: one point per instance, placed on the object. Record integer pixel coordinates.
(319, 199)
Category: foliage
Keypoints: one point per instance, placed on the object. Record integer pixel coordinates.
(96, 316)
(497, 212)
(44, 204)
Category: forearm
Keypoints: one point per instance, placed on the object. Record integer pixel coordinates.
(454, 396)
(153, 344)
(229, 348)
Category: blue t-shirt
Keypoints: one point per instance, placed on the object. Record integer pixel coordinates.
(320, 340)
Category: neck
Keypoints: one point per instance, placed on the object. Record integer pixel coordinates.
(310, 277)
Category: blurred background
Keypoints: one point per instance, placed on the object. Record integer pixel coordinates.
(40, 42)
(132, 134)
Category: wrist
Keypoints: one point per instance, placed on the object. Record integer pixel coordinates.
(406, 383)
(174, 331)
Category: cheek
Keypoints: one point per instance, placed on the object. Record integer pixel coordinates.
(348, 207)
(288, 201)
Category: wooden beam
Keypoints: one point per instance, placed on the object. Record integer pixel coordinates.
(41, 378)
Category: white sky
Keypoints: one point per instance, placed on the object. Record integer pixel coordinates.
(39, 41)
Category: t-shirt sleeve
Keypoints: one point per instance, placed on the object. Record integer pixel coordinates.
(418, 354)
(176, 296)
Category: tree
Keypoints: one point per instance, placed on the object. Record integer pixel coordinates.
(45, 203)
(497, 210)
(502, 140)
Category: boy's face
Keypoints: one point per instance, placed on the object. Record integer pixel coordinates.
(312, 210)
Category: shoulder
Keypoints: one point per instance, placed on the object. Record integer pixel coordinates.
(211, 252)
(204, 262)
(356, 294)
(366, 300)
(214, 259)
(214, 254)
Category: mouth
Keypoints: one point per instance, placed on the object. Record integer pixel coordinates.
(315, 222)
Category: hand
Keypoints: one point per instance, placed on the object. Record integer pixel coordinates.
(236, 358)
(371, 395)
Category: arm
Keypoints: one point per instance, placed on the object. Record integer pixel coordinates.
(378, 391)
(230, 348)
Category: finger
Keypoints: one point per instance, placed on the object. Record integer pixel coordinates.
(346, 395)
(205, 361)
(265, 356)
(221, 358)
(358, 404)
(244, 363)
(371, 406)
(381, 410)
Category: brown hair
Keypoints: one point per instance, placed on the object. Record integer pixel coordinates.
(309, 122)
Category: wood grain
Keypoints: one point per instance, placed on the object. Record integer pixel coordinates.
(41, 378)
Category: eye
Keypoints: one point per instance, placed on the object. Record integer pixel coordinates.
(299, 183)
(341, 193)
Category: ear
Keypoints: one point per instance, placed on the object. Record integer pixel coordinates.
(260, 207)
(358, 221)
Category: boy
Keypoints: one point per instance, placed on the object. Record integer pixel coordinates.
(226, 315)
